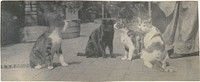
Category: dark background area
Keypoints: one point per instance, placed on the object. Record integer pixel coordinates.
(14, 15)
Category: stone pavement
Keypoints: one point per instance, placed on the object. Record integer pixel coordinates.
(93, 69)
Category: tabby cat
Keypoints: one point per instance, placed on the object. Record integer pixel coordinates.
(47, 45)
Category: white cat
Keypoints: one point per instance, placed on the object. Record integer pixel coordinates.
(130, 40)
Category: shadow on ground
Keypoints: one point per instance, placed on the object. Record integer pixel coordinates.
(175, 56)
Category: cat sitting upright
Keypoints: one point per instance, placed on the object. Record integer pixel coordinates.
(47, 45)
(130, 39)
(99, 40)
(154, 46)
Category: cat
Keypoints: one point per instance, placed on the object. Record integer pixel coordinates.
(99, 39)
(154, 46)
(130, 39)
(47, 45)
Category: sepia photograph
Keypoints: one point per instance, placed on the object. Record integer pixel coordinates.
(99, 40)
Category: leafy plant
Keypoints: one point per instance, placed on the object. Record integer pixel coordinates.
(72, 5)
(49, 6)
(126, 10)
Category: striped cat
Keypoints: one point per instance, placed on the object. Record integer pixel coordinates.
(47, 45)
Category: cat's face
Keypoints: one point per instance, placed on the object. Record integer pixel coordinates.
(108, 25)
(144, 25)
(118, 24)
(121, 24)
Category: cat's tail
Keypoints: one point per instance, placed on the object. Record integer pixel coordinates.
(15, 66)
(81, 54)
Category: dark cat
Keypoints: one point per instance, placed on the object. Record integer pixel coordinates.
(100, 38)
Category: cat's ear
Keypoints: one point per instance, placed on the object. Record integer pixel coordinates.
(120, 21)
(149, 20)
(139, 19)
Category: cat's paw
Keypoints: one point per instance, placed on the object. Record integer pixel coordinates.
(124, 58)
(169, 69)
(50, 67)
(104, 56)
(38, 67)
(148, 65)
(112, 56)
(64, 64)
(129, 59)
